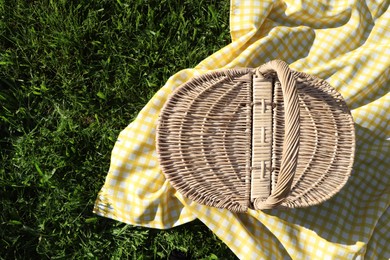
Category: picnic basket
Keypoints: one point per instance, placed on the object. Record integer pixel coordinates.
(262, 138)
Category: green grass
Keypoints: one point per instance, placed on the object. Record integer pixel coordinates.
(72, 75)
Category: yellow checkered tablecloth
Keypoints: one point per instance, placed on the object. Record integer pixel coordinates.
(346, 42)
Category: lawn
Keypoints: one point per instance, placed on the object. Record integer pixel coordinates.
(73, 74)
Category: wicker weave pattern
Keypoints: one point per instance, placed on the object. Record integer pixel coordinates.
(203, 137)
(261, 137)
(256, 138)
(327, 143)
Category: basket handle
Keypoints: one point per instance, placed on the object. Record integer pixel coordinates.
(291, 135)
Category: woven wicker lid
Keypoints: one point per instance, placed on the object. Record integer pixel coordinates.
(256, 138)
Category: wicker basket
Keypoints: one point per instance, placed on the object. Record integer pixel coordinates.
(256, 138)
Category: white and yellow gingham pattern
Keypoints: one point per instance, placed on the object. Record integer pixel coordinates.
(345, 42)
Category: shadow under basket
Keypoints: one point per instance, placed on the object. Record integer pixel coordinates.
(256, 138)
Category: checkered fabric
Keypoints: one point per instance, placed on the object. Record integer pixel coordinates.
(346, 42)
